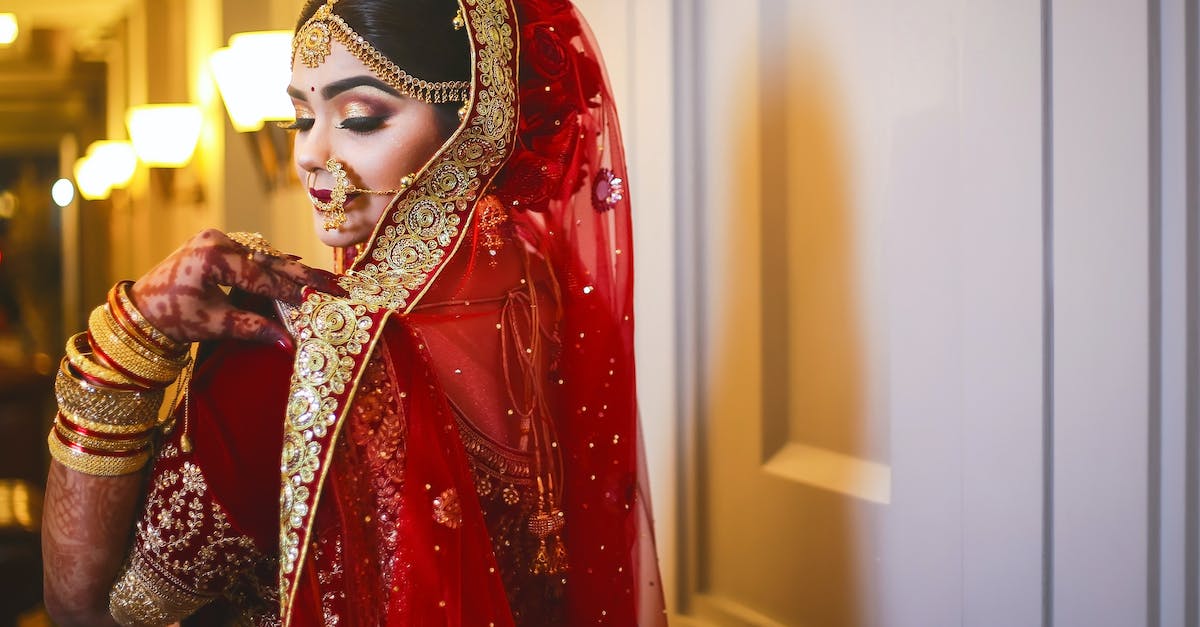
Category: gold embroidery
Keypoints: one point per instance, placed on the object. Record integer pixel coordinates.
(182, 533)
(408, 250)
(447, 510)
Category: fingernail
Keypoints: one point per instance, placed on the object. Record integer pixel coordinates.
(286, 344)
(294, 257)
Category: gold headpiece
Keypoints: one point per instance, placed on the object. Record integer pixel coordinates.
(314, 41)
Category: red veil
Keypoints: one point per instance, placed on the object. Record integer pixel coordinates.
(461, 444)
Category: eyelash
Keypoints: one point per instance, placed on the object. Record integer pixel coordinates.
(361, 125)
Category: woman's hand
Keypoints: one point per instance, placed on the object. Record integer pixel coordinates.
(181, 295)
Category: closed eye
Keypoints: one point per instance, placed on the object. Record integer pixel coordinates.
(363, 124)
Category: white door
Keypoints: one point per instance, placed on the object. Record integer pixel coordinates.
(921, 341)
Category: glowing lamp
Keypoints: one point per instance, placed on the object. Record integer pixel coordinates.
(116, 161)
(63, 192)
(8, 29)
(107, 165)
(164, 136)
(252, 74)
(90, 179)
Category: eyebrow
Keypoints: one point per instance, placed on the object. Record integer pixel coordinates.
(335, 88)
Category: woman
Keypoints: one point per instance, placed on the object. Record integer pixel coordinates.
(453, 413)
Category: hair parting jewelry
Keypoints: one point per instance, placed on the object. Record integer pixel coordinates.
(335, 209)
(313, 44)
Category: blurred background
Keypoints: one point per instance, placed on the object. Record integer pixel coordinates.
(918, 283)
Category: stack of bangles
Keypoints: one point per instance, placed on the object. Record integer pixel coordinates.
(110, 388)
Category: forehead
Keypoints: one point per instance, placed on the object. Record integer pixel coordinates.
(340, 63)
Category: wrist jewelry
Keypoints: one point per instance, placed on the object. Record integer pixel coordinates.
(121, 307)
(120, 351)
(83, 401)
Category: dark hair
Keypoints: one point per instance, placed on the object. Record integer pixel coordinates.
(417, 35)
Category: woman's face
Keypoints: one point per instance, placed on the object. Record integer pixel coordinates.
(345, 112)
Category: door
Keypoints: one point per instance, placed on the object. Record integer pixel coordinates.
(917, 306)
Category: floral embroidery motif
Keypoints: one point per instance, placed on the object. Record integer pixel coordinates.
(187, 552)
(335, 335)
(447, 510)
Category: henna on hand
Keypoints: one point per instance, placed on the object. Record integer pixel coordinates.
(182, 297)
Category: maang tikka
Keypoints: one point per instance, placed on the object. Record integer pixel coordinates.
(313, 43)
(335, 208)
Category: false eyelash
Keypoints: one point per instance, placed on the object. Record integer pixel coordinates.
(300, 124)
(362, 124)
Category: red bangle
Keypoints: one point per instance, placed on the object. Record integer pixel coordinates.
(111, 363)
(99, 435)
(79, 448)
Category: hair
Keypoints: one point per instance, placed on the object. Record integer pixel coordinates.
(416, 35)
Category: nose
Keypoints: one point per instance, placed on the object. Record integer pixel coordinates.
(312, 150)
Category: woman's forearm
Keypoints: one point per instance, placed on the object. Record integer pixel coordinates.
(85, 535)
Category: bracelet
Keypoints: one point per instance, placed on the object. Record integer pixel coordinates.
(79, 356)
(107, 406)
(125, 355)
(102, 445)
(108, 433)
(96, 463)
(120, 305)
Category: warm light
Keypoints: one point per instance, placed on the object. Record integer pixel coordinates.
(8, 29)
(90, 179)
(116, 161)
(63, 192)
(165, 136)
(107, 165)
(253, 75)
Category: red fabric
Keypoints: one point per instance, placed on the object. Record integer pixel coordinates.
(527, 333)
(568, 233)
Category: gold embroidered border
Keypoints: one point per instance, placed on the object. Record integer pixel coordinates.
(335, 336)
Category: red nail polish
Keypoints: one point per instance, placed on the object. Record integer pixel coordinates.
(286, 344)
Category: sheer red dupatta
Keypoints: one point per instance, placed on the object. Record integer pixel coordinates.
(563, 193)
(567, 185)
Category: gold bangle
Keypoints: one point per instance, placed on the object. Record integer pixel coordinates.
(100, 444)
(110, 429)
(104, 316)
(79, 355)
(95, 465)
(121, 408)
(122, 308)
(126, 355)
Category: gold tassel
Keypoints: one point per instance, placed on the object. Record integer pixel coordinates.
(559, 559)
(541, 560)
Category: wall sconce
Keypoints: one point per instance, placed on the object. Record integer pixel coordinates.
(165, 135)
(252, 75)
(107, 165)
(8, 29)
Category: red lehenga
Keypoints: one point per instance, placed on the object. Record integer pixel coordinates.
(458, 437)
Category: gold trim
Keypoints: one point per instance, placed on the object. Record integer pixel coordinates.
(313, 44)
(421, 231)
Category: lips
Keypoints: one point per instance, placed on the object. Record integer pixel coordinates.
(326, 195)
